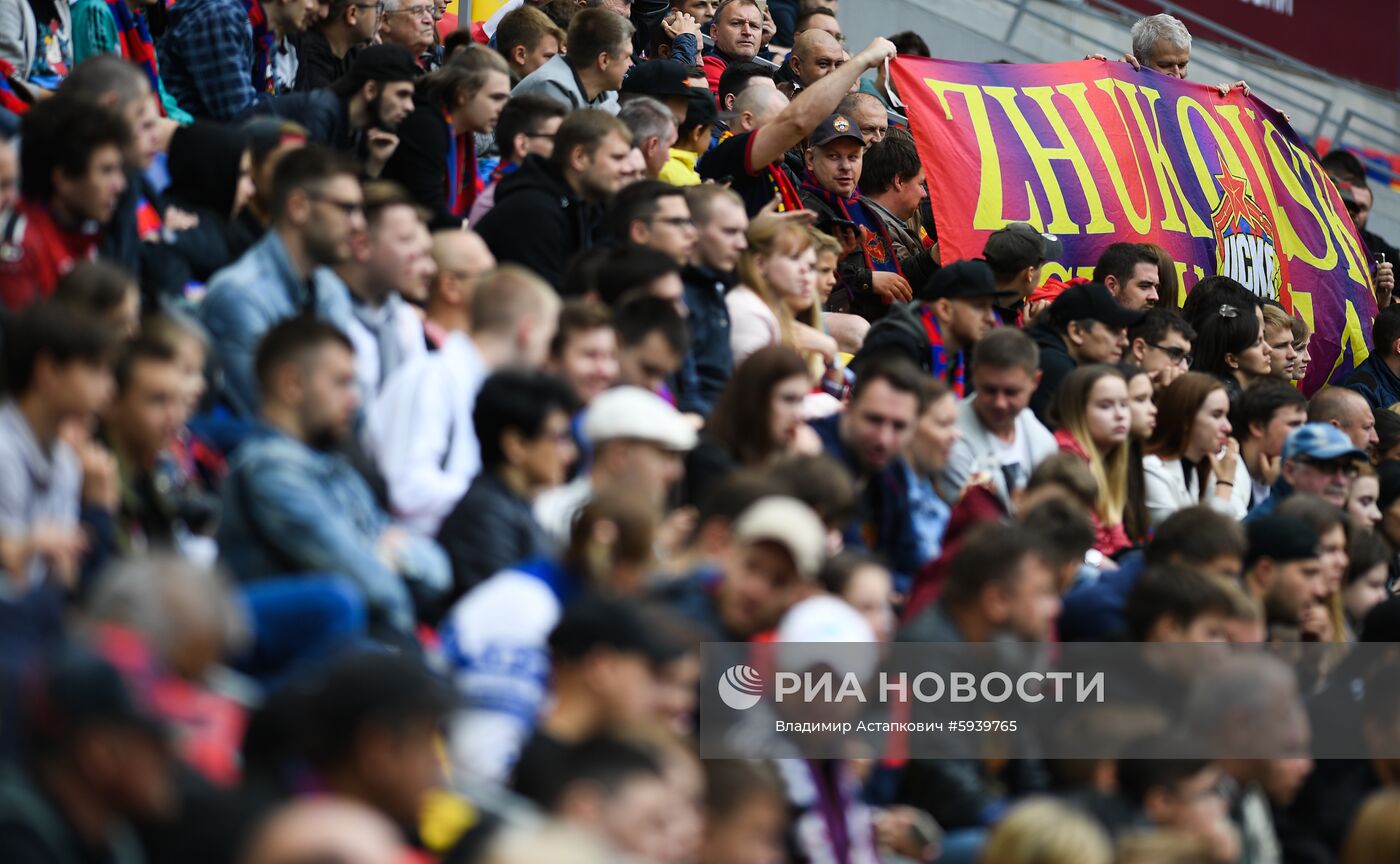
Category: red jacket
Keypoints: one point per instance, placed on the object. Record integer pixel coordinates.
(35, 252)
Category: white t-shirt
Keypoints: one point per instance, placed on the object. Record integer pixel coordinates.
(1016, 459)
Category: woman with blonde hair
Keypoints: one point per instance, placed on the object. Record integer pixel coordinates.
(1045, 831)
(1091, 410)
(776, 278)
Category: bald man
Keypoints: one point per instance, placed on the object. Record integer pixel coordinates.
(462, 258)
(326, 828)
(1348, 411)
(868, 113)
(815, 55)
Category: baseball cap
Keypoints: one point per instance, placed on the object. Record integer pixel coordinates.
(961, 280)
(1091, 301)
(383, 63)
(819, 631)
(631, 412)
(789, 523)
(1319, 441)
(596, 621)
(1019, 245)
(75, 689)
(657, 78)
(1281, 538)
(700, 109)
(834, 127)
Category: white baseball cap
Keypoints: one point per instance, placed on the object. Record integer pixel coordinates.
(631, 412)
(789, 523)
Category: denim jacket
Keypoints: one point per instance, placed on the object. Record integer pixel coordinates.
(249, 297)
(291, 509)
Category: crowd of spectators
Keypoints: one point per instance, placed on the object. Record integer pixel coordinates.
(390, 414)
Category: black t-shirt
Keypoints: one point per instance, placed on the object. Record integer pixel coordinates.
(729, 161)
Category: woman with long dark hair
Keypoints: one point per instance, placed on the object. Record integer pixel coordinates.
(757, 416)
(1230, 341)
(1191, 458)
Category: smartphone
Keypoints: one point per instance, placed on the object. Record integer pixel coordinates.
(829, 226)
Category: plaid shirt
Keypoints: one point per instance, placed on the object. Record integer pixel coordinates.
(206, 58)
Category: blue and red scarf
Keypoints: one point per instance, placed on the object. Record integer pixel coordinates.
(954, 369)
(463, 183)
(136, 43)
(264, 79)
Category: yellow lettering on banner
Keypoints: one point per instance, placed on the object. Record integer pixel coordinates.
(1353, 338)
(1230, 159)
(1056, 270)
(1043, 158)
(1289, 170)
(1358, 270)
(988, 216)
(1141, 222)
(1302, 307)
(1231, 113)
(1181, 290)
(1174, 202)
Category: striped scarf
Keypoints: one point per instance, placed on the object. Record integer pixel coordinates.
(136, 43)
(953, 370)
(463, 182)
(264, 81)
(877, 249)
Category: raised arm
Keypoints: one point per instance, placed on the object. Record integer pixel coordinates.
(814, 104)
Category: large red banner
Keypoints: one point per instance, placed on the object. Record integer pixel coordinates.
(1095, 153)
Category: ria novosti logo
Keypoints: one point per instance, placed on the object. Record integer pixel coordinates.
(740, 687)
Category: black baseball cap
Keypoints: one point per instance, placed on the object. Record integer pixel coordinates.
(73, 689)
(1091, 301)
(594, 622)
(961, 280)
(383, 63)
(700, 109)
(1280, 538)
(1019, 245)
(657, 78)
(834, 127)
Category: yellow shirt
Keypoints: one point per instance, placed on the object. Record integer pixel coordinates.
(679, 170)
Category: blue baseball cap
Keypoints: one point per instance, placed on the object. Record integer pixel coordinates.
(1319, 441)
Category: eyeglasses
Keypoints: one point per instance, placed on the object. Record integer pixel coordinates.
(675, 221)
(1178, 356)
(414, 11)
(1345, 467)
(349, 208)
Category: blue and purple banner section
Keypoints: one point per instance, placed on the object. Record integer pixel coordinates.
(1096, 152)
(906, 700)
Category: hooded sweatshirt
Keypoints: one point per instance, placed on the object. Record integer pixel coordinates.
(538, 222)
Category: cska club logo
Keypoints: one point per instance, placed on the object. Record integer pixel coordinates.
(875, 249)
(1246, 242)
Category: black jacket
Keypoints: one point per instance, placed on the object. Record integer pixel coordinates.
(489, 529)
(537, 221)
(317, 65)
(419, 164)
(1055, 364)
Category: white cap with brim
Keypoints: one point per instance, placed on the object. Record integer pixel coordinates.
(631, 412)
(789, 523)
(826, 631)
